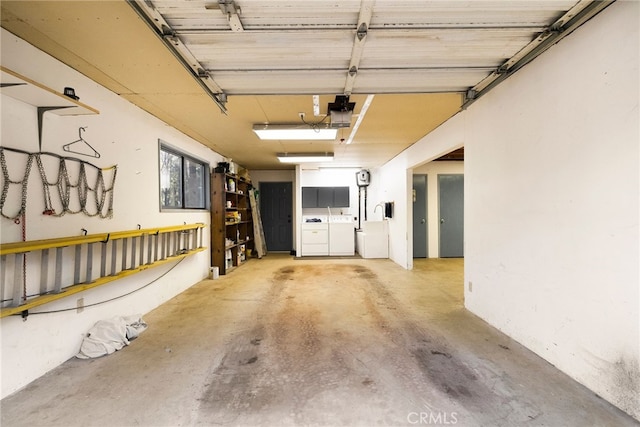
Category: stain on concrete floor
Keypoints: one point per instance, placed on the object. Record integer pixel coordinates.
(349, 342)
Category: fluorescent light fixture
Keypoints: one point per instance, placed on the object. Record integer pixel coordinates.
(295, 131)
(305, 157)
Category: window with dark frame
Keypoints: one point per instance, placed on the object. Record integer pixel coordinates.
(183, 180)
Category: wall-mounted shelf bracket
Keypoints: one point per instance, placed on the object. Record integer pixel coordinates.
(40, 96)
(2, 85)
(41, 111)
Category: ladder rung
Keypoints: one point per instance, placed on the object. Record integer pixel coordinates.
(44, 270)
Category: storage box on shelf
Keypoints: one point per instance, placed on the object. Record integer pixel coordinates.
(231, 221)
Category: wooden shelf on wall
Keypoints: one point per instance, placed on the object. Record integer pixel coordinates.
(44, 98)
(26, 90)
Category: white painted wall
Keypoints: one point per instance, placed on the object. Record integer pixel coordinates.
(126, 136)
(393, 183)
(552, 207)
(432, 170)
(552, 204)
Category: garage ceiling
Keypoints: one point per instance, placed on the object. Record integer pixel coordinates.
(212, 69)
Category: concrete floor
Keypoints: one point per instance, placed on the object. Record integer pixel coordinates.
(315, 342)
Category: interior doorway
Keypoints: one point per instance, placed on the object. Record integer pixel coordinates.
(276, 209)
(451, 208)
(420, 237)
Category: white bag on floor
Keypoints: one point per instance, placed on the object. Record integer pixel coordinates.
(107, 336)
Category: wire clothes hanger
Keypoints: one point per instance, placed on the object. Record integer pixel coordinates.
(67, 147)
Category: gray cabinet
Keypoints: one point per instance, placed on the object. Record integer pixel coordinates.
(341, 197)
(322, 197)
(325, 197)
(309, 197)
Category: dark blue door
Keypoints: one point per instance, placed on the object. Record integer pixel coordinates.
(276, 209)
(451, 200)
(419, 216)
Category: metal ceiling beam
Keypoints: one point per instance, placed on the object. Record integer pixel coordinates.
(380, 31)
(570, 21)
(161, 28)
(231, 11)
(364, 19)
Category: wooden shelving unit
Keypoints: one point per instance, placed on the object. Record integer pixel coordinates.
(231, 221)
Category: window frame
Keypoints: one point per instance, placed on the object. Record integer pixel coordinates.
(184, 158)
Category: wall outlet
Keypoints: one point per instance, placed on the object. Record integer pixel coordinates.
(470, 287)
(80, 305)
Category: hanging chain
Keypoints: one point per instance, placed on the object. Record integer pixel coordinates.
(48, 206)
(110, 190)
(7, 180)
(83, 189)
(63, 185)
(23, 222)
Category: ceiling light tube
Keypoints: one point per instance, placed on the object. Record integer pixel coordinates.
(305, 157)
(295, 132)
